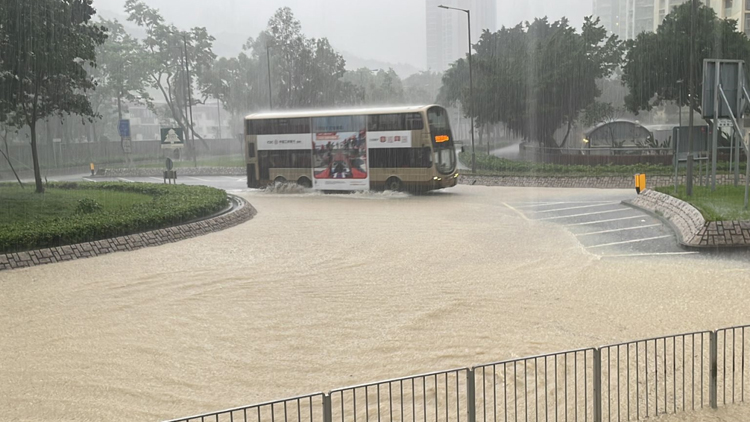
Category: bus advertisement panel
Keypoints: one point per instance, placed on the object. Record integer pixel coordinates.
(389, 139)
(284, 142)
(340, 161)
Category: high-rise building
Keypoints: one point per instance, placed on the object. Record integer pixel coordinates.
(628, 18)
(447, 33)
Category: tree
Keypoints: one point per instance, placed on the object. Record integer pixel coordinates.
(46, 47)
(305, 72)
(165, 64)
(120, 72)
(534, 77)
(422, 87)
(657, 62)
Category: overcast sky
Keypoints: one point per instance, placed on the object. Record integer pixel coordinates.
(386, 30)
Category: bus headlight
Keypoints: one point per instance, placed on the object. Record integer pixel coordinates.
(437, 178)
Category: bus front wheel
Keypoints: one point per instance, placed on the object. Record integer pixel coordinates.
(304, 182)
(279, 180)
(393, 184)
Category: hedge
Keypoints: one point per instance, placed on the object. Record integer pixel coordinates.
(170, 205)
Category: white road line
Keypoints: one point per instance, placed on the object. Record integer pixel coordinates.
(242, 180)
(629, 241)
(161, 179)
(517, 212)
(229, 177)
(537, 204)
(198, 178)
(604, 221)
(584, 214)
(579, 207)
(89, 180)
(125, 180)
(618, 230)
(648, 254)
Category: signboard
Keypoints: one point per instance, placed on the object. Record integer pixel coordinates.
(127, 145)
(172, 137)
(730, 77)
(284, 142)
(391, 139)
(340, 161)
(124, 128)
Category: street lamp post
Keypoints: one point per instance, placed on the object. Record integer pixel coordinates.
(268, 63)
(691, 98)
(471, 85)
(188, 83)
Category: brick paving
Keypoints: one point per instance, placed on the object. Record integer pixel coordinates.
(241, 213)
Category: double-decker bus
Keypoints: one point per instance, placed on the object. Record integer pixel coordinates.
(394, 148)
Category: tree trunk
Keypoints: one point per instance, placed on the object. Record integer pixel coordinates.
(565, 140)
(35, 160)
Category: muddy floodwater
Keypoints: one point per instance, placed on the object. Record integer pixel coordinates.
(324, 291)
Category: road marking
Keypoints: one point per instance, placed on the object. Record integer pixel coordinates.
(229, 177)
(648, 254)
(584, 214)
(537, 204)
(125, 180)
(89, 180)
(198, 178)
(579, 207)
(629, 241)
(161, 179)
(516, 211)
(242, 180)
(605, 221)
(618, 230)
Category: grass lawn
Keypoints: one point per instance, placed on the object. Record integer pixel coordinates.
(70, 212)
(726, 203)
(23, 205)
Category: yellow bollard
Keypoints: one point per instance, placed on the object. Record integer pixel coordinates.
(640, 182)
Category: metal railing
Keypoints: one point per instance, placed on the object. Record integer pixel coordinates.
(619, 382)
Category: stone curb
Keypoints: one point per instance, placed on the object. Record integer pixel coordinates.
(692, 230)
(241, 213)
(596, 182)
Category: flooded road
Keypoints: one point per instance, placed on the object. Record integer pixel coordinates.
(323, 291)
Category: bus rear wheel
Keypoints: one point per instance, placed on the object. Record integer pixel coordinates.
(279, 180)
(393, 184)
(304, 182)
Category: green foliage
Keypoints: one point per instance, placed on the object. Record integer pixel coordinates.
(165, 49)
(533, 77)
(656, 62)
(45, 47)
(165, 205)
(726, 203)
(305, 72)
(503, 166)
(598, 112)
(87, 206)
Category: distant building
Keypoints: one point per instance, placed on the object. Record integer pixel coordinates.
(628, 18)
(146, 126)
(447, 33)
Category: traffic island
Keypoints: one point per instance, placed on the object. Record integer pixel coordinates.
(691, 228)
(238, 212)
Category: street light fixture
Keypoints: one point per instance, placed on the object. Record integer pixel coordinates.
(471, 84)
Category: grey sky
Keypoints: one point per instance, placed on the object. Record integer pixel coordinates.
(386, 30)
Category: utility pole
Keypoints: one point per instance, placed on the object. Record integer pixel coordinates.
(691, 99)
(268, 62)
(471, 87)
(190, 101)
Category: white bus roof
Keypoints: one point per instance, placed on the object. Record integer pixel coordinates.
(286, 114)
